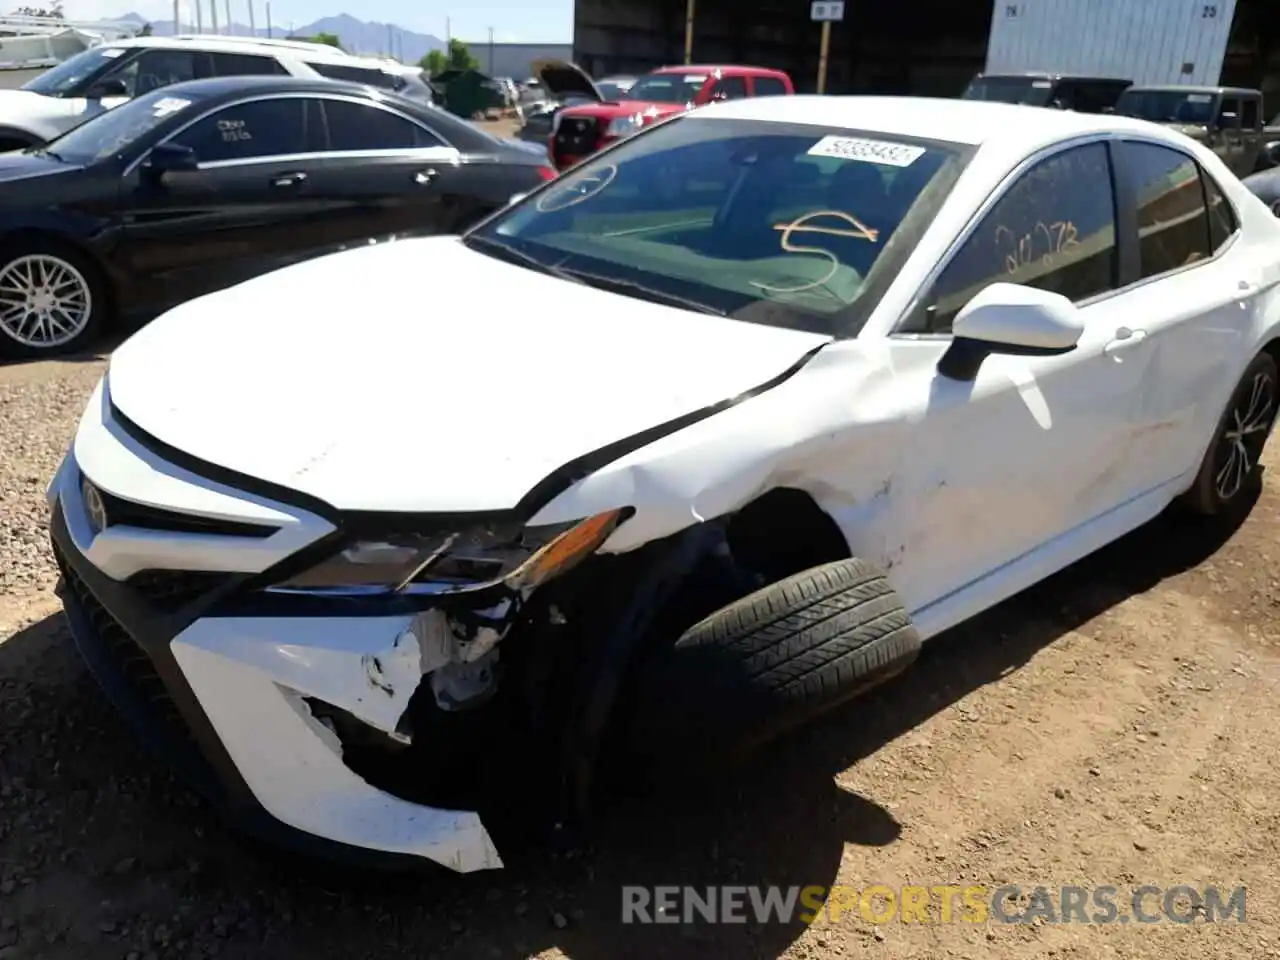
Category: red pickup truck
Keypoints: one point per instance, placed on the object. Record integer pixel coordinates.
(580, 130)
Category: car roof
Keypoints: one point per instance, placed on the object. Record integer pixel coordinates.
(1041, 75)
(970, 122)
(1188, 88)
(217, 44)
(711, 68)
(211, 87)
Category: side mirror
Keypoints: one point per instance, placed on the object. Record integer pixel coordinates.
(170, 158)
(1010, 318)
(107, 88)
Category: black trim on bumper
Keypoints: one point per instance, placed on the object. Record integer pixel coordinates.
(125, 644)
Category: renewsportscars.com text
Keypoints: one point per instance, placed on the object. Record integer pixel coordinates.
(939, 903)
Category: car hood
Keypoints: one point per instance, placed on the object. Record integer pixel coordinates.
(423, 376)
(563, 79)
(17, 165)
(625, 108)
(24, 106)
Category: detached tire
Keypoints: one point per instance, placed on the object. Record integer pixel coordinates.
(53, 299)
(1229, 473)
(769, 662)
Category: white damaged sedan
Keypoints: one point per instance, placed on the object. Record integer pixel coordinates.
(685, 447)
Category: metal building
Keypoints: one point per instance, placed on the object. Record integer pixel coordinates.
(934, 47)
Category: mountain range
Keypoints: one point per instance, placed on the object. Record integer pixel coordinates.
(357, 36)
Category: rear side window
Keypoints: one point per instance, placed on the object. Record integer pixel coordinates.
(1249, 113)
(1173, 222)
(733, 88)
(358, 126)
(768, 86)
(245, 65)
(374, 78)
(1054, 229)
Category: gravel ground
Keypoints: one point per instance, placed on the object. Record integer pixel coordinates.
(1115, 725)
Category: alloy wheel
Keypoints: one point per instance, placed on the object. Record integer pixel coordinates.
(1247, 428)
(44, 301)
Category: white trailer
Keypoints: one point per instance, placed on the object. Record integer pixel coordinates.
(1146, 41)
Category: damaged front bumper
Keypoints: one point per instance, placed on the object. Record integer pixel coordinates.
(223, 699)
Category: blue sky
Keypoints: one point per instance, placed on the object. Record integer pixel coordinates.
(527, 20)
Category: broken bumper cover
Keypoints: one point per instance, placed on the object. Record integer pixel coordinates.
(222, 699)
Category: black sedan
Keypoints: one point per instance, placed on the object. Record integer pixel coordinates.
(201, 185)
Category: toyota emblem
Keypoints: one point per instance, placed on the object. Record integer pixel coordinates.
(95, 507)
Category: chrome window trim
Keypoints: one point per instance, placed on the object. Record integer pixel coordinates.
(294, 95)
(1011, 179)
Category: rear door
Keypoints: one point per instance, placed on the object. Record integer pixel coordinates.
(382, 174)
(248, 207)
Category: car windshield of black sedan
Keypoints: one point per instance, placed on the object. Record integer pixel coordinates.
(777, 223)
(112, 131)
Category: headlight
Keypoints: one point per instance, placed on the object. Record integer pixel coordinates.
(525, 557)
(623, 126)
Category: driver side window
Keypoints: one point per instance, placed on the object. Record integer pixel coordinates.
(249, 131)
(153, 69)
(1053, 229)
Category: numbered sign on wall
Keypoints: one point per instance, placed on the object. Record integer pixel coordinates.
(826, 10)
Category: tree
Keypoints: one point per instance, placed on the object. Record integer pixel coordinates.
(458, 57)
(332, 39)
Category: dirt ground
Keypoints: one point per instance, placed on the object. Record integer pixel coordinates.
(1115, 725)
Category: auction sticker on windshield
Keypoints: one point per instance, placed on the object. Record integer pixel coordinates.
(162, 108)
(868, 151)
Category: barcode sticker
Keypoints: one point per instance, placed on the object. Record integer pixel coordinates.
(867, 151)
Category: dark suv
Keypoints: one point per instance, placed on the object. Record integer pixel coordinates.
(1082, 94)
(1228, 120)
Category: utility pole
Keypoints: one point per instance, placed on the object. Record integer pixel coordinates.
(491, 51)
(688, 30)
(227, 7)
(269, 34)
(177, 19)
(213, 15)
(391, 42)
(199, 18)
(253, 30)
(448, 33)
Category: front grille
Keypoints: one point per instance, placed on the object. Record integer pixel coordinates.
(577, 136)
(127, 513)
(127, 656)
(171, 590)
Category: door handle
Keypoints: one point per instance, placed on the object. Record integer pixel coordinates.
(1125, 338)
(426, 177)
(289, 180)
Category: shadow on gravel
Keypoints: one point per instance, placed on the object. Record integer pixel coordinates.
(103, 855)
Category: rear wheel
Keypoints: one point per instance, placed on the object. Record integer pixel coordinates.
(52, 299)
(1230, 470)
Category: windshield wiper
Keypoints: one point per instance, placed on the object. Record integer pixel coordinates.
(46, 152)
(513, 254)
(643, 292)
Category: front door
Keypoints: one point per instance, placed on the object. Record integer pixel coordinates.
(246, 210)
(1033, 447)
(381, 175)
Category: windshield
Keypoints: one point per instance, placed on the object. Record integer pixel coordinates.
(667, 87)
(113, 130)
(781, 224)
(1025, 90)
(1167, 106)
(70, 73)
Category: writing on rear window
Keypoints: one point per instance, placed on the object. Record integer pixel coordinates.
(232, 131)
(867, 151)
